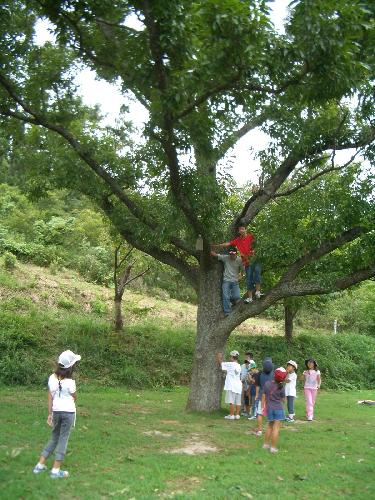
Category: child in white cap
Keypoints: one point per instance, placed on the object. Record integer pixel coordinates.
(290, 388)
(61, 413)
(233, 384)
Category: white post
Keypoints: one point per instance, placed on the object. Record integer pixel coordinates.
(335, 326)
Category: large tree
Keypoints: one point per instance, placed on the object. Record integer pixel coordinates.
(208, 73)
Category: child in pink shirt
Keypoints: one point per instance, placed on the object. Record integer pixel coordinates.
(312, 384)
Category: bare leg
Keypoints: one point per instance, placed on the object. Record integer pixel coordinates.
(259, 423)
(231, 409)
(275, 433)
(267, 436)
(238, 409)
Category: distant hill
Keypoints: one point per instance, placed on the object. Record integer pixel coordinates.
(42, 314)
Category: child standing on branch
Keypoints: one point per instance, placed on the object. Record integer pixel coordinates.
(61, 413)
(245, 244)
(233, 268)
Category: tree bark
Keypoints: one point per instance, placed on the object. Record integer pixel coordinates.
(289, 315)
(118, 315)
(207, 377)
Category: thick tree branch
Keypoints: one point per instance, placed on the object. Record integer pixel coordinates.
(251, 87)
(333, 168)
(242, 312)
(259, 199)
(324, 249)
(35, 118)
(216, 90)
(190, 272)
(301, 289)
(168, 138)
(232, 139)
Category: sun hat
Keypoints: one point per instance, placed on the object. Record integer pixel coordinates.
(67, 359)
(280, 374)
(232, 250)
(235, 354)
(293, 363)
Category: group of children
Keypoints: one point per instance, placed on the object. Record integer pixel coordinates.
(260, 392)
(263, 393)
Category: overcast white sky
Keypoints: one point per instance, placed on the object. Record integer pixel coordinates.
(94, 91)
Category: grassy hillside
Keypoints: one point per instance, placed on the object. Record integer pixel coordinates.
(42, 314)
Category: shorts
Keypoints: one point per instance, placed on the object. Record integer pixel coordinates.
(273, 415)
(232, 398)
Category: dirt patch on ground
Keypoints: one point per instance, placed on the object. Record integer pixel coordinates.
(157, 433)
(194, 446)
(170, 422)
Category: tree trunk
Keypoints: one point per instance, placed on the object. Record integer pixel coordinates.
(118, 315)
(207, 377)
(289, 314)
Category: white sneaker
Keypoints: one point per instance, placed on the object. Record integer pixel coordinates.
(257, 294)
(309, 419)
(248, 300)
(229, 417)
(273, 450)
(237, 417)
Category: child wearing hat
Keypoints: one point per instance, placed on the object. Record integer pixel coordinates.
(290, 388)
(62, 396)
(233, 384)
(312, 384)
(273, 398)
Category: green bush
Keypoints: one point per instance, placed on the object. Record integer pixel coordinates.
(10, 261)
(65, 303)
(92, 265)
(98, 307)
(345, 360)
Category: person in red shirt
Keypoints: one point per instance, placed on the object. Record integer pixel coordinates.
(245, 244)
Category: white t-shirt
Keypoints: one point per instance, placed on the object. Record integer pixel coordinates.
(233, 379)
(290, 387)
(62, 394)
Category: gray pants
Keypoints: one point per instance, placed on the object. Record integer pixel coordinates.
(290, 403)
(62, 425)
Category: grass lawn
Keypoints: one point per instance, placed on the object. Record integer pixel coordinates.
(141, 445)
